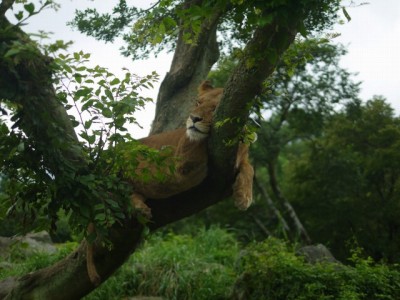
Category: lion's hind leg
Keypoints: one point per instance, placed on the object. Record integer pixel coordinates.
(243, 186)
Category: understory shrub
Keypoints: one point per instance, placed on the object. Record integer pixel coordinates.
(270, 270)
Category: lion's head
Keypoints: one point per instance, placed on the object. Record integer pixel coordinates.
(199, 122)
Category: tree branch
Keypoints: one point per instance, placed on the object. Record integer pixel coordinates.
(243, 85)
(43, 118)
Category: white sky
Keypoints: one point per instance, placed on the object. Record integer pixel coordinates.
(372, 38)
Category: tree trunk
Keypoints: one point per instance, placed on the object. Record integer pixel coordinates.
(302, 232)
(271, 205)
(190, 66)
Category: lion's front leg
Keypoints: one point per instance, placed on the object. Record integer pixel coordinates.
(138, 202)
(243, 186)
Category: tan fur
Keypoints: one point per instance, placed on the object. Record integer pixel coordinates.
(190, 157)
(90, 266)
(190, 148)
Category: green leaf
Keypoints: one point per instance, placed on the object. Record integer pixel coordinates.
(109, 94)
(83, 92)
(21, 147)
(346, 14)
(19, 15)
(30, 8)
(115, 81)
(67, 68)
(106, 112)
(78, 78)
(99, 207)
(91, 139)
(88, 124)
(263, 21)
(112, 203)
(12, 52)
(88, 104)
(100, 217)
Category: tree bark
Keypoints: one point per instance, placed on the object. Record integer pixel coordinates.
(242, 87)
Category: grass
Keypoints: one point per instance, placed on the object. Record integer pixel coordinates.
(211, 265)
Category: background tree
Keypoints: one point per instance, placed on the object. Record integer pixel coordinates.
(61, 170)
(304, 91)
(345, 186)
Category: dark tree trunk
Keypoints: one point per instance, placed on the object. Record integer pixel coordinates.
(271, 205)
(286, 205)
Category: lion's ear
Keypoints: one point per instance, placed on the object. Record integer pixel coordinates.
(205, 87)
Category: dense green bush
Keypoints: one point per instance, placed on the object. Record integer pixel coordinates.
(270, 270)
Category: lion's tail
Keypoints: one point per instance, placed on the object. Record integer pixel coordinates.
(90, 265)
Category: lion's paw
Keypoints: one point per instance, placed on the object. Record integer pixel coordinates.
(243, 199)
(138, 202)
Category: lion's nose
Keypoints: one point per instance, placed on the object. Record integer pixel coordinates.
(195, 118)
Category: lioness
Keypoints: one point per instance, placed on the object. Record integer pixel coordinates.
(189, 153)
(189, 147)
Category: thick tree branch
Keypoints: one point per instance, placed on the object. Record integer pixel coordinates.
(27, 82)
(243, 85)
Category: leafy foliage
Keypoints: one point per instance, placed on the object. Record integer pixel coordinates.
(270, 270)
(346, 185)
(105, 104)
(103, 108)
(157, 27)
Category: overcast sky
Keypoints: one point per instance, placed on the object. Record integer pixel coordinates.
(372, 38)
